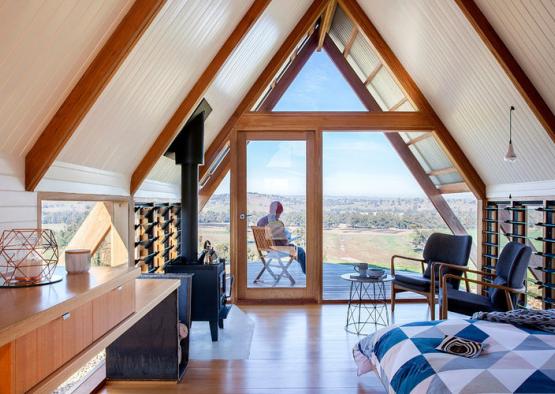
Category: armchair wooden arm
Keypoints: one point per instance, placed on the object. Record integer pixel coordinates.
(465, 270)
(507, 291)
(396, 256)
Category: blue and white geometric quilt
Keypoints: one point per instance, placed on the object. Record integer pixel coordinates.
(514, 359)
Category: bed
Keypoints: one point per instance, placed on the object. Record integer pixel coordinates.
(514, 359)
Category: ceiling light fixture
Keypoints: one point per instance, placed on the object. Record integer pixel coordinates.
(510, 156)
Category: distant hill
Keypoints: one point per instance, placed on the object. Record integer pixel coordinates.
(363, 212)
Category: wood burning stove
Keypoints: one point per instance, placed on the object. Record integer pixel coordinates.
(208, 293)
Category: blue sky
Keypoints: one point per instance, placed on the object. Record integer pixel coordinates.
(355, 163)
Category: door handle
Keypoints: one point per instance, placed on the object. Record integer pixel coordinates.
(244, 216)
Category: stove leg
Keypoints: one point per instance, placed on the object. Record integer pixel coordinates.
(214, 330)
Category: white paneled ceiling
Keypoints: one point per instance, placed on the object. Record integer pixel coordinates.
(151, 83)
(248, 60)
(466, 86)
(528, 29)
(45, 46)
(241, 70)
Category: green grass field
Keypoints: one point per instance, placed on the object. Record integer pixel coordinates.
(342, 245)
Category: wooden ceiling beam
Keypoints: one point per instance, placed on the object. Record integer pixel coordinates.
(191, 100)
(350, 41)
(412, 91)
(87, 90)
(263, 81)
(325, 25)
(336, 121)
(508, 62)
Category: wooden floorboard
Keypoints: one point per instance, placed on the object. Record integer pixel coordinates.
(295, 349)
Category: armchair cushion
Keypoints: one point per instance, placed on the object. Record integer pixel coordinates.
(415, 282)
(468, 303)
(497, 297)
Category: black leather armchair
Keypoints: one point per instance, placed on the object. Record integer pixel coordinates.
(440, 248)
(506, 283)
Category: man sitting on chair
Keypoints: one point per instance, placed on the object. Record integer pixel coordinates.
(280, 235)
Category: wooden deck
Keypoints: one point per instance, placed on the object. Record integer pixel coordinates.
(335, 288)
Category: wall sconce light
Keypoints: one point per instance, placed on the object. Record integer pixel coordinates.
(510, 156)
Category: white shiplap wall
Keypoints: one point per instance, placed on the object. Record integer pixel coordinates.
(467, 88)
(18, 208)
(45, 46)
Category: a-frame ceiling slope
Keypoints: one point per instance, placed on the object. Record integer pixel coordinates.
(520, 34)
(86, 91)
(467, 87)
(247, 62)
(151, 83)
(378, 83)
(44, 49)
(445, 174)
(433, 40)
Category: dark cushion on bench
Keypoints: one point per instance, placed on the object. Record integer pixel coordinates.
(415, 282)
(468, 303)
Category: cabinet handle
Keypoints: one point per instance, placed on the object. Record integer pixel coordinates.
(119, 288)
(66, 315)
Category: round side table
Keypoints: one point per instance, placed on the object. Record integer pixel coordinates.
(361, 314)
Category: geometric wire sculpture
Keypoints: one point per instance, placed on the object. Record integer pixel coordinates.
(28, 257)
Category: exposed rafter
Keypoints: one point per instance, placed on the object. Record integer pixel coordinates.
(449, 188)
(373, 74)
(350, 41)
(396, 141)
(443, 171)
(190, 101)
(341, 120)
(505, 58)
(327, 19)
(421, 137)
(89, 87)
(388, 58)
(263, 80)
(397, 105)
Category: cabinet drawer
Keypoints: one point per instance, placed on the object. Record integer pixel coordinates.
(111, 308)
(38, 354)
(76, 331)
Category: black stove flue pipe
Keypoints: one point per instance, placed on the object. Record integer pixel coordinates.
(188, 151)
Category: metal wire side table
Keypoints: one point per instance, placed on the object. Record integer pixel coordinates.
(361, 315)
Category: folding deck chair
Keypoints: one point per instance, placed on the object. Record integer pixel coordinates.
(273, 256)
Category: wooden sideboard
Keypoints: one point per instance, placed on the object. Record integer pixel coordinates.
(48, 332)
